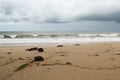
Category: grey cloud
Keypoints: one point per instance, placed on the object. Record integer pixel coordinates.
(95, 17)
(57, 11)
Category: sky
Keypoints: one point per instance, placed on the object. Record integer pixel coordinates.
(60, 15)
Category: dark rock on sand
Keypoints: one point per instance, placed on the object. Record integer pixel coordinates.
(32, 49)
(59, 45)
(40, 50)
(96, 55)
(68, 63)
(38, 58)
(77, 44)
(35, 49)
(9, 53)
(7, 36)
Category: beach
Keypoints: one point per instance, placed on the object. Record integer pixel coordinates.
(59, 40)
(93, 61)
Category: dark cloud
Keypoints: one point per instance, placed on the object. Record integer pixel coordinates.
(97, 17)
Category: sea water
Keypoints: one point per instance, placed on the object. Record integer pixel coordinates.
(46, 38)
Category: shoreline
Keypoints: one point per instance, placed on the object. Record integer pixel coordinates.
(52, 44)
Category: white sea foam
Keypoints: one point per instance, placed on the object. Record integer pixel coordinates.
(13, 36)
(58, 40)
(1, 36)
(100, 35)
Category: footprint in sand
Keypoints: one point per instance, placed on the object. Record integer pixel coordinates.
(107, 51)
(63, 55)
(1, 57)
(94, 55)
(20, 58)
(112, 58)
(117, 54)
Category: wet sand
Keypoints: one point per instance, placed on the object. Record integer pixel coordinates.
(98, 61)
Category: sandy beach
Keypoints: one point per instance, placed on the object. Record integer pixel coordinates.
(95, 61)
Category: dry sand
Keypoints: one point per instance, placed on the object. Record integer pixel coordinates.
(100, 61)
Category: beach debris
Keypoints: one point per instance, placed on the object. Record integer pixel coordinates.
(32, 49)
(40, 50)
(96, 55)
(38, 58)
(77, 44)
(7, 36)
(9, 53)
(35, 49)
(59, 45)
(22, 66)
(68, 63)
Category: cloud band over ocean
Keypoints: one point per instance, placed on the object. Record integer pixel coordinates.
(39, 11)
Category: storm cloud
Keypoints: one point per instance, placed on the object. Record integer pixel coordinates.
(40, 11)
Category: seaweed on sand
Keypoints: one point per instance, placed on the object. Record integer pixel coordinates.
(22, 66)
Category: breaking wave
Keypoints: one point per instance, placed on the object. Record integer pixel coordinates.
(81, 35)
(56, 38)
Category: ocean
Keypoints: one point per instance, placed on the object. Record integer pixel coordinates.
(8, 38)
